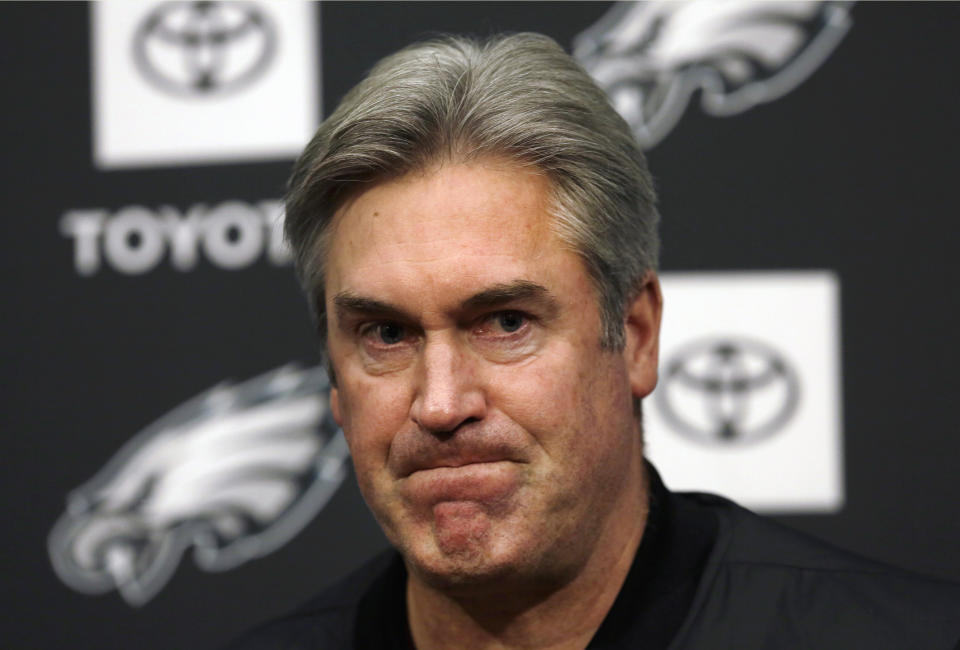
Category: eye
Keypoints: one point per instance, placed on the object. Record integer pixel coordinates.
(386, 333)
(510, 321)
(507, 336)
(391, 333)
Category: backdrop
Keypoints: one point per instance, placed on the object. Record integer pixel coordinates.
(805, 159)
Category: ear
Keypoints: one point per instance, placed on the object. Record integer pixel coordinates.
(335, 406)
(642, 330)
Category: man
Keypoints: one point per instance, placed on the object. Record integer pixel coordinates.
(476, 230)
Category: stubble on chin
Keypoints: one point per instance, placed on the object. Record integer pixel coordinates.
(468, 551)
(461, 530)
(457, 549)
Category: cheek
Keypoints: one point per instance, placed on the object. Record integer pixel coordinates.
(542, 396)
(371, 413)
(579, 411)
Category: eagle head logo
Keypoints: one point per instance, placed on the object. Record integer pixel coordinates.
(233, 473)
(650, 57)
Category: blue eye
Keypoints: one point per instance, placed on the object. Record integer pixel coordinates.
(390, 333)
(510, 321)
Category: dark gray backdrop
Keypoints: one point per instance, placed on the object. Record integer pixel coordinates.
(854, 171)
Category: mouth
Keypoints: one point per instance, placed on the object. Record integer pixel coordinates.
(453, 457)
(475, 480)
(457, 463)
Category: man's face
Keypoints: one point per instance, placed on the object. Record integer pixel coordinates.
(490, 433)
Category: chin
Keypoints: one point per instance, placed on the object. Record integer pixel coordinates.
(487, 565)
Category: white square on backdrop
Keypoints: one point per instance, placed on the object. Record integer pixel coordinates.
(748, 404)
(185, 83)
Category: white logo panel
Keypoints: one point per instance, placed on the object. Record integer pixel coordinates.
(202, 82)
(748, 404)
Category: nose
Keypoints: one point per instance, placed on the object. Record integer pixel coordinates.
(448, 392)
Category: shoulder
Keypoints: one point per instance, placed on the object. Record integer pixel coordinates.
(329, 619)
(770, 586)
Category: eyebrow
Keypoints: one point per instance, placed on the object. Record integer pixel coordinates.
(348, 303)
(500, 294)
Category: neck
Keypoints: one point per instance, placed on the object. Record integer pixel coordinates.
(558, 617)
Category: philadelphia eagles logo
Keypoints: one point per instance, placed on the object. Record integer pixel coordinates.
(233, 473)
(650, 57)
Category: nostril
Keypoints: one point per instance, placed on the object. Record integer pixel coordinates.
(446, 433)
(443, 435)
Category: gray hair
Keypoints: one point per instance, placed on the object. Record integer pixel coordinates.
(457, 99)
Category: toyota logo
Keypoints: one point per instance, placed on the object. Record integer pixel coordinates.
(204, 48)
(727, 391)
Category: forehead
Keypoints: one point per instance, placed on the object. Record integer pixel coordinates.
(456, 227)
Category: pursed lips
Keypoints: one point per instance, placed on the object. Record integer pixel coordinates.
(457, 463)
(419, 451)
(490, 480)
